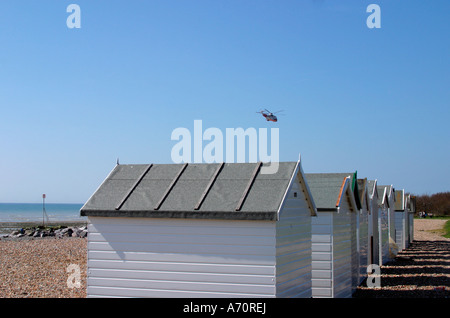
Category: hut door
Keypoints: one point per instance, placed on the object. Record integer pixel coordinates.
(371, 249)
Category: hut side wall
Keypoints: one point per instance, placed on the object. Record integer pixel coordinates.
(334, 253)
(148, 257)
(374, 253)
(293, 246)
(383, 233)
(344, 251)
(406, 228)
(354, 228)
(322, 240)
(400, 229)
(393, 247)
(411, 227)
(363, 243)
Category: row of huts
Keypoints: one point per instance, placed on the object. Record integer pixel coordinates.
(230, 230)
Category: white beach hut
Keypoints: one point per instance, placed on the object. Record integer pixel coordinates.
(363, 228)
(386, 217)
(383, 227)
(401, 219)
(374, 246)
(393, 247)
(200, 230)
(411, 205)
(333, 235)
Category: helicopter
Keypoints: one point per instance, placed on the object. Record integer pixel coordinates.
(268, 115)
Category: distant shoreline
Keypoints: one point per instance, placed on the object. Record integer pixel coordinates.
(14, 216)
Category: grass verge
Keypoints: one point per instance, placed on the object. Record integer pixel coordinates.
(447, 229)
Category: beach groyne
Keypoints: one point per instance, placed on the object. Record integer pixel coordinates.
(60, 231)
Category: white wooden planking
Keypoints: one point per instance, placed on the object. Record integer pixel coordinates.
(187, 258)
(153, 293)
(247, 278)
(174, 257)
(183, 286)
(400, 229)
(406, 228)
(293, 246)
(383, 233)
(344, 251)
(334, 252)
(322, 256)
(393, 247)
(364, 243)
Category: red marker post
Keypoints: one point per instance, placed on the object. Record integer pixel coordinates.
(43, 209)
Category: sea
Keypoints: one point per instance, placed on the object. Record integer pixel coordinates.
(37, 212)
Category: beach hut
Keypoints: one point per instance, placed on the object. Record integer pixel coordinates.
(386, 223)
(374, 246)
(200, 230)
(383, 229)
(333, 235)
(393, 247)
(411, 211)
(401, 219)
(363, 229)
(409, 217)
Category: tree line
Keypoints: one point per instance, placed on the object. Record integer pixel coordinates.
(437, 204)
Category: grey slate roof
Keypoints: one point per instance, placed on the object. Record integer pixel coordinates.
(131, 190)
(326, 188)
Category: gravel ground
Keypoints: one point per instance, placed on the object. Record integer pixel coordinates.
(38, 267)
(420, 271)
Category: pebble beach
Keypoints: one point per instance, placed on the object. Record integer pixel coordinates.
(39, 267)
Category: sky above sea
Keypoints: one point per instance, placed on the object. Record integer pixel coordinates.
(75, 100)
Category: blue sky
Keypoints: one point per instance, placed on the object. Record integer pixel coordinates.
(74, 100)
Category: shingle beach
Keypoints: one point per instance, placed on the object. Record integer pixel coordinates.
(39, 267)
